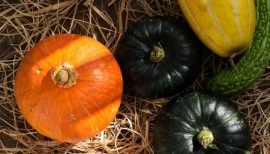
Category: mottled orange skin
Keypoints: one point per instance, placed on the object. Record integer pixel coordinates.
(76, 113)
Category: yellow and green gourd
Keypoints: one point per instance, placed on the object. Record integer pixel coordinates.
(230, 15)
(226, 27)
(252, 63)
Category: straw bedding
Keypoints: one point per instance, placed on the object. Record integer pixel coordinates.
(24, 22)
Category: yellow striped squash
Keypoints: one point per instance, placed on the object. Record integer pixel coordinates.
(225, 26)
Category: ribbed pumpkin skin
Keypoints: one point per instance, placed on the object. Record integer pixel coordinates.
(78, 112)
(225, 26)
(178, 124)
(175, 72)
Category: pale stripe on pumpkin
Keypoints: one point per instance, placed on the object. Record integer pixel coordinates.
(200, 31)
(236, 12)
(213, 14)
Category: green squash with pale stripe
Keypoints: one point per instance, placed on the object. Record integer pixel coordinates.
(225, 26)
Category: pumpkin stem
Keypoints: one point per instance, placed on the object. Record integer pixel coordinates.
(205, 138)
(63, 75)
(157, 54)
(246, 152)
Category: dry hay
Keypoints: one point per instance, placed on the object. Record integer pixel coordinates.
(25, 22)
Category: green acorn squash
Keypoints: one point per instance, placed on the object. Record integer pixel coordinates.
(159, 57)
(198, 123)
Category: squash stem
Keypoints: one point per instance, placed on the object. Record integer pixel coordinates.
(205, 138)
(63, 75)
(157, 54)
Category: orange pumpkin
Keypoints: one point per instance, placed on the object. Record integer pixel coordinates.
(69, 87)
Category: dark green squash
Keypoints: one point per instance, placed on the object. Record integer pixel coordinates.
(159, 57)
(198, 123)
